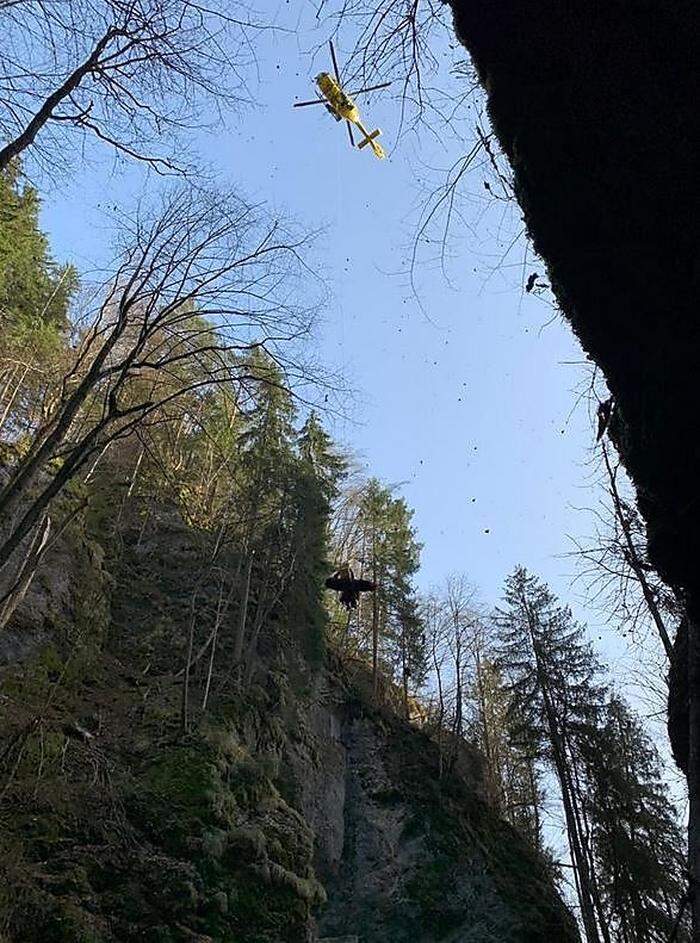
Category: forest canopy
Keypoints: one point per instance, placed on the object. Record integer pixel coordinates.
(179, 390)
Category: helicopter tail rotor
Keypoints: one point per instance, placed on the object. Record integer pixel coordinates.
(370, 138)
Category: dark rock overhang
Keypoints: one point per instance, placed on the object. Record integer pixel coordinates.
(596, 106)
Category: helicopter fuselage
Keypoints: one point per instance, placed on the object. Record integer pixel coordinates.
(341, 106)
(338, 100)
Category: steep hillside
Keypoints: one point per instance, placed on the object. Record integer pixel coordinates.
(290, 808)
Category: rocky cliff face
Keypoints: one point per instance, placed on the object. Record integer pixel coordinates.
(404, 854)
(290, 809)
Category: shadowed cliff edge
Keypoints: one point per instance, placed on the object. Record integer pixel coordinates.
(595, 106)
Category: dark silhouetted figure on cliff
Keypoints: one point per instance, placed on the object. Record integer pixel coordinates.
(343, 581)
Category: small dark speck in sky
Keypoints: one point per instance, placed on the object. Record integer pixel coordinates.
(487, 530)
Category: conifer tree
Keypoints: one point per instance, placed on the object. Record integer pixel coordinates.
(34, 290)
(373, 532)
(266, 448)
(625, 842)
(319, 472)
(35, 294)
(393, 556)
(637, 840)
(551, 674)
(265, 509)
(512, 752)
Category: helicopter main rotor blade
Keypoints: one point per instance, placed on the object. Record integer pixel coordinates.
(316, 101)
(371, 88)
(352, 139)
(335, 61)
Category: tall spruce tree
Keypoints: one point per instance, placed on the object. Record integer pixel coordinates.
(551, 673)
(34, 290)
(637, 839)
(392, 560)
(512, 752)
(266, 450)
(319, 471)
(624, 838)
(265, 517)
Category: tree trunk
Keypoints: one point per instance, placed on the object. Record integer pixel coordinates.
(458, 725)
(375, 636)
(441, 704)
(25, 575)
(693, 774)
(586, 897)
(240, 632)
(47, 440)
(13, 395)
(532, 781)
(404, 676)
(44, 447)
(132, 484)
(23, 140)
(261, 611)
(578, 856)
(184, 706)
(220, 611)
(582, 823)
(41, 504)
(488, 752)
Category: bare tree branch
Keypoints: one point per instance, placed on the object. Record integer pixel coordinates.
(198, 284)
(133, 74)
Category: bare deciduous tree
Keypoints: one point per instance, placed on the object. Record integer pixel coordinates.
(615, 568)
(197, 285)
(393, 39)
(132, 74)
(455, 644)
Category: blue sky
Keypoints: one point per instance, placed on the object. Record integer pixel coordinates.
(466, 387)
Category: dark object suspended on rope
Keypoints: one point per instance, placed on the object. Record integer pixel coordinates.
(343, 581)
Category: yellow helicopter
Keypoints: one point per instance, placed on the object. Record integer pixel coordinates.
(340, 104)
